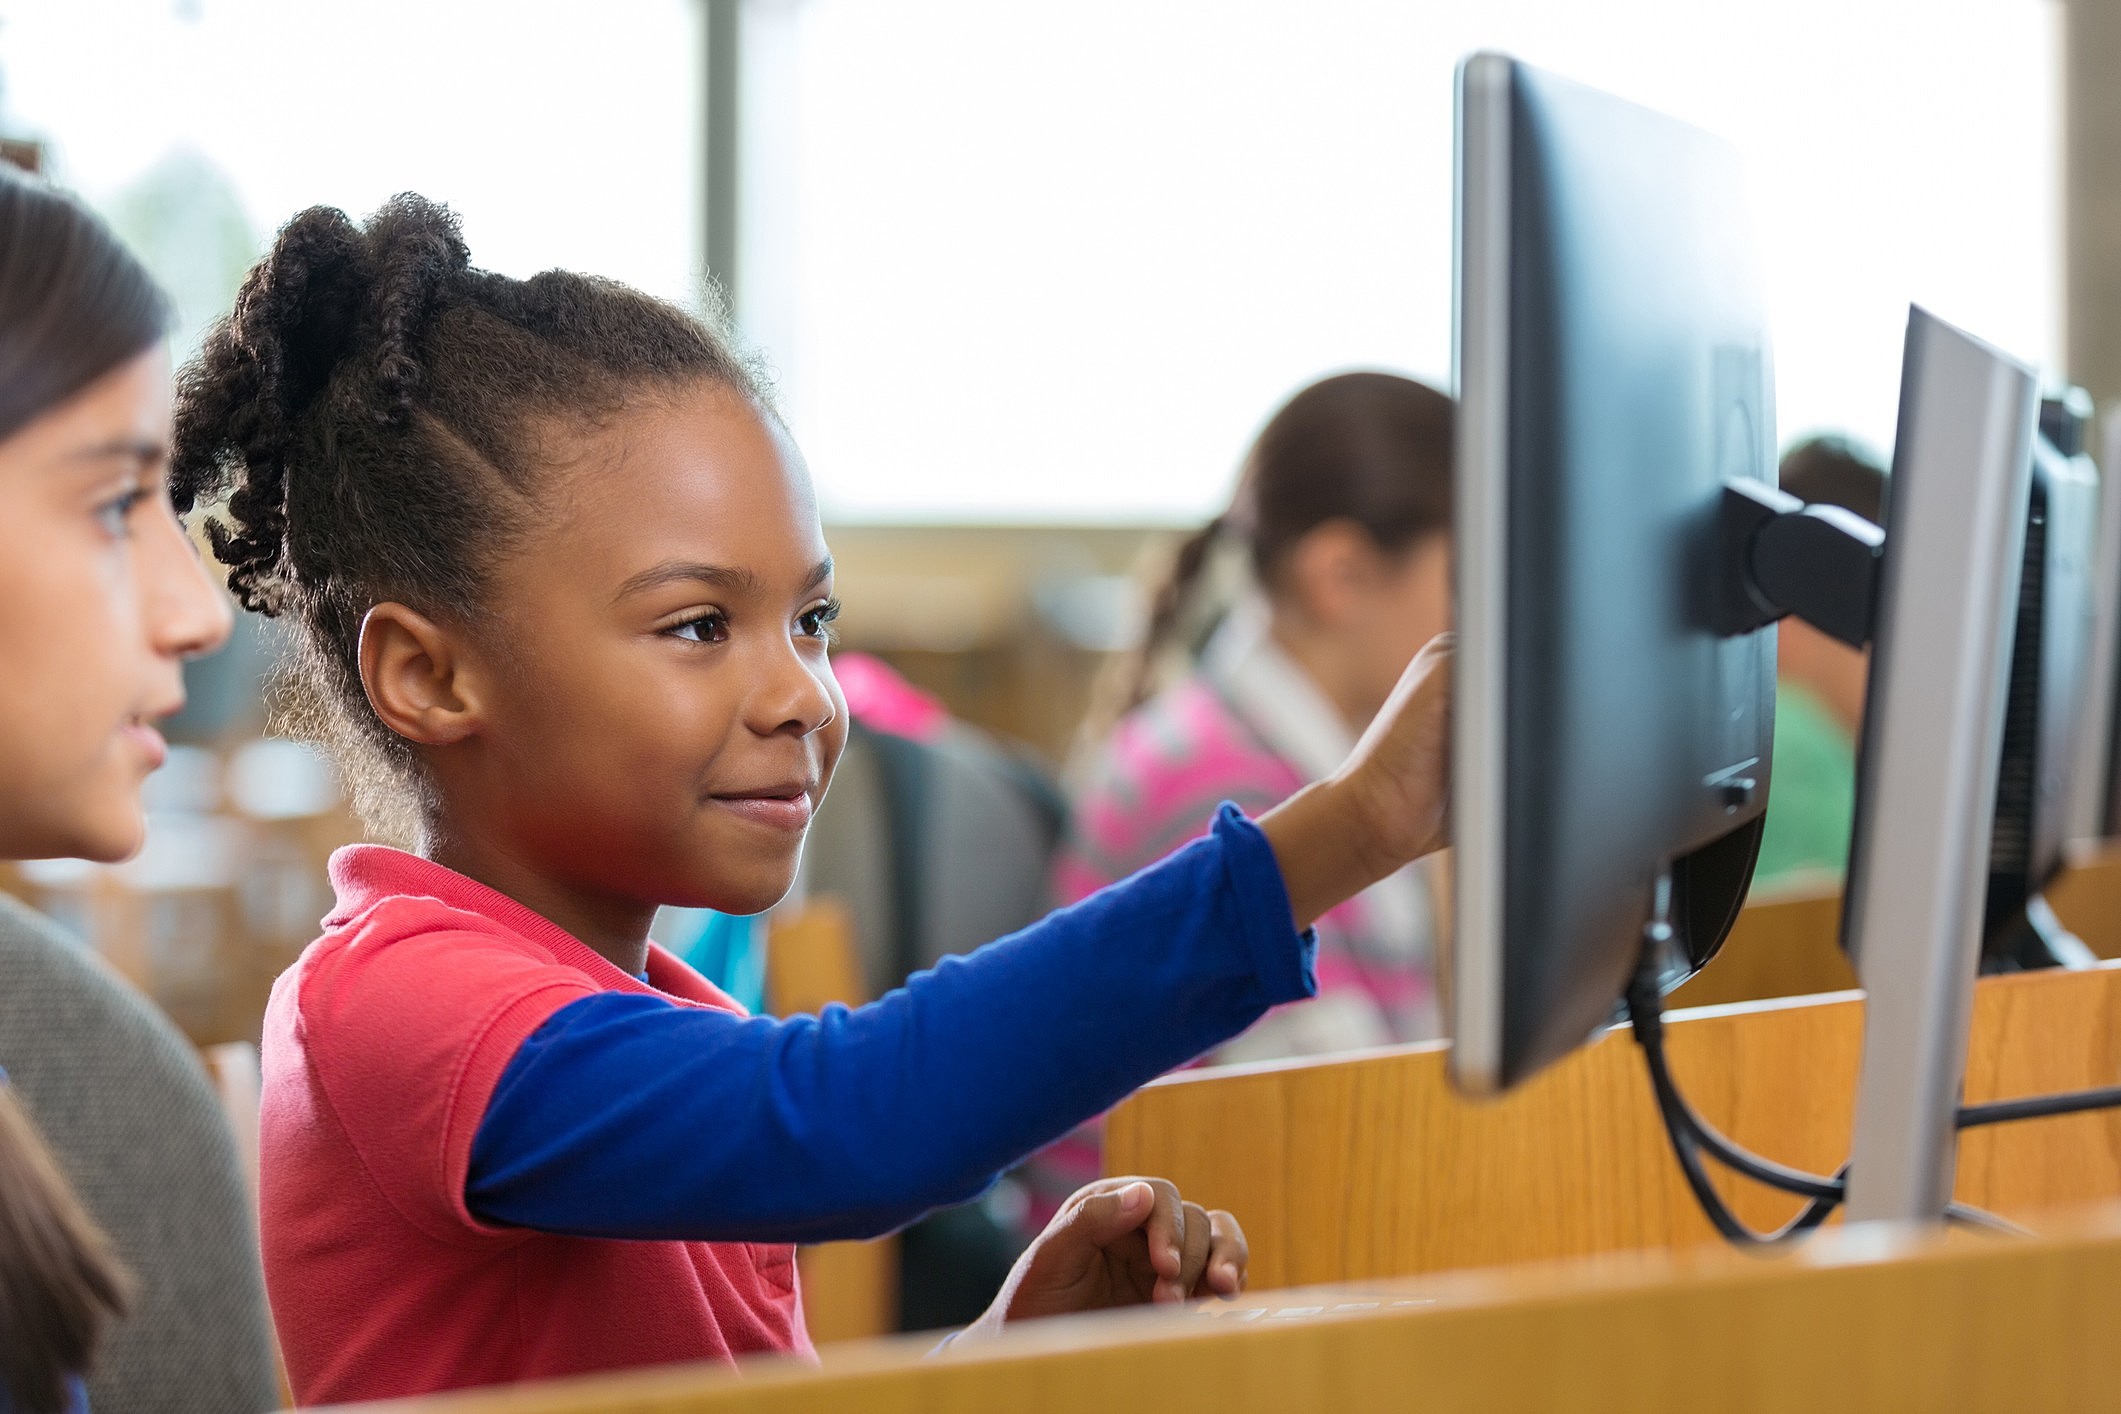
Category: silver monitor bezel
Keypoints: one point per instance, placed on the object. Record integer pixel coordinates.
(1473, 976)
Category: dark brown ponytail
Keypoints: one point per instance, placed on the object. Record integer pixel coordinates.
(60, 1283)
(1168, 604)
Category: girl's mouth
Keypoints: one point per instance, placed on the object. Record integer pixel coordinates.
(149, 741)
(784, 807)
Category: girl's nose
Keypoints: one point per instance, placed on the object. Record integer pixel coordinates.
(798, 697)
(184, 611)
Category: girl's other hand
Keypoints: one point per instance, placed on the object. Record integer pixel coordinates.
(1386, 807)
(1121, 1242)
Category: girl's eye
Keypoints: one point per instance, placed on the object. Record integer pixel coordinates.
(710, 627)
(115, 515)
(817, 623)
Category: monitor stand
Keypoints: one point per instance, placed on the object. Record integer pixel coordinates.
(2033, 938)
(1933, 731)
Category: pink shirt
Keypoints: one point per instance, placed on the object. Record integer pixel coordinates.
(382, 1046)
(1155, 785)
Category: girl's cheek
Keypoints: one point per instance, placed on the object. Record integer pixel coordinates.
(67, 780)
(835, 741)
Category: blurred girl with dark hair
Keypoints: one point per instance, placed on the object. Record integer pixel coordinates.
(1342, 517)
(101, 600)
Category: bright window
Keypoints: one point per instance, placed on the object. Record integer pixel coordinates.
(1027, 262)
(565, 133)
(1030, 261)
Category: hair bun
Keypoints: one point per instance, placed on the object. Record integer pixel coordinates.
(294, 319)
(330, 291)
(331, 301)
(417, 247)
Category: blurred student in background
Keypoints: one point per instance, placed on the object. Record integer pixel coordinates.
(1818, 692)
(1342, 518)
(101, 599)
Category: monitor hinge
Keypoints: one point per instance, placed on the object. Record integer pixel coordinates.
(1781, 556)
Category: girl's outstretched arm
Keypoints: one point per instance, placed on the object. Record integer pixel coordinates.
(628, 1116)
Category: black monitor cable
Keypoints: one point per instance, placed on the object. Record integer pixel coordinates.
(2106, 1097)
(1691, 1135)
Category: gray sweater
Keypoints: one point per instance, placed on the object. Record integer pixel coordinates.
(125, 1104)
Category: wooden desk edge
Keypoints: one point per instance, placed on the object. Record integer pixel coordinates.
(1846, 1300)
(1204, 1074)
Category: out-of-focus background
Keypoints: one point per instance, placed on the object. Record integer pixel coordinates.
(1029, 279)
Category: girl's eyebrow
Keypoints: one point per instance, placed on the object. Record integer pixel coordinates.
(733, 581)
(141, 449)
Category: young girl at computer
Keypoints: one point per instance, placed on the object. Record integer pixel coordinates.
(101, 599)
(559, 592)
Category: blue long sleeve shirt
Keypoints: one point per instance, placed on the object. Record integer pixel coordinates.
(629, 1116)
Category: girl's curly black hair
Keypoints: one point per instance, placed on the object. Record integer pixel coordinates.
(375, 412)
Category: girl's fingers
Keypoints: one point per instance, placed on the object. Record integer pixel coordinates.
(1103, 1217)
(1166, 1234)
(1198, 1239)
(1186, 1251)
(1229, 1259)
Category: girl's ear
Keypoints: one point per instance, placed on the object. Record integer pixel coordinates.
(415, 675)
(1332, 573)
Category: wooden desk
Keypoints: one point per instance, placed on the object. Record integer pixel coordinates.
(1789, 944)
(1973, 1324)
(2087, 898)
(1372, 1166)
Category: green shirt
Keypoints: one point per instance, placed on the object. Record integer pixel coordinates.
(1811, 792)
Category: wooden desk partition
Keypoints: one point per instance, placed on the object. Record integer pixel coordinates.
(1986, 1326)
(1371, 1166)
(2087, 898)
(1789, 944)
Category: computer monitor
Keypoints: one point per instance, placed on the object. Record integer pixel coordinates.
(1612, 369)
(1620, 552)
(2050, 709)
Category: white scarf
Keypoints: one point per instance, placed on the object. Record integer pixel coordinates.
(1280, 702)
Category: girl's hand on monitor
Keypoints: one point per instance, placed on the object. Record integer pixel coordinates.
(1121, 1242)
(1386, 807)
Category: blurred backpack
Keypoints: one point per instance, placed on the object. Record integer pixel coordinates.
(937, 839)
(935, 835)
